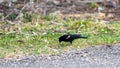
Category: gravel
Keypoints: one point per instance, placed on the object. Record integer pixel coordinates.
(107, 56)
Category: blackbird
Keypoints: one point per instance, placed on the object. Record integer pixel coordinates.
(70, 37)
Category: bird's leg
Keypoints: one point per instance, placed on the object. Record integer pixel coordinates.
(59, 46)
(71, 42)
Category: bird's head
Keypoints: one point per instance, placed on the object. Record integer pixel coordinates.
(60, 40)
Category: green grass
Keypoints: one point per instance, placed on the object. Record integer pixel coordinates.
(28, 38)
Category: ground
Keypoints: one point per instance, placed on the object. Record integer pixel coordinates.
(106, 56)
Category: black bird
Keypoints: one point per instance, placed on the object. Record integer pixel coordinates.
(70, 37)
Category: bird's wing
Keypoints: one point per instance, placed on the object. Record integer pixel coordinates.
(68, 37)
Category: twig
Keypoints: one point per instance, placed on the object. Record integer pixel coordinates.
(7, 15)
(22, 10)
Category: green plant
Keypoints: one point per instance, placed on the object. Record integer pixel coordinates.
(92, 5)
(50, 17)
(27, 17)
(12, 16)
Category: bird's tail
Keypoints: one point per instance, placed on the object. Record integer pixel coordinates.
(83, 37)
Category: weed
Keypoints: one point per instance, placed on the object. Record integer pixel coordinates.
(92, 5)
(27, 17)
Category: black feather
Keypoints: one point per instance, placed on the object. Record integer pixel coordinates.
(70, 37)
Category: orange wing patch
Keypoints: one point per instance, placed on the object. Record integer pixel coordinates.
(68, 37)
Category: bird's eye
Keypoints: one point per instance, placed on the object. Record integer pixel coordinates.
(68, 37)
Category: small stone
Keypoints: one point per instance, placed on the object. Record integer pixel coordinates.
(48, 58)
